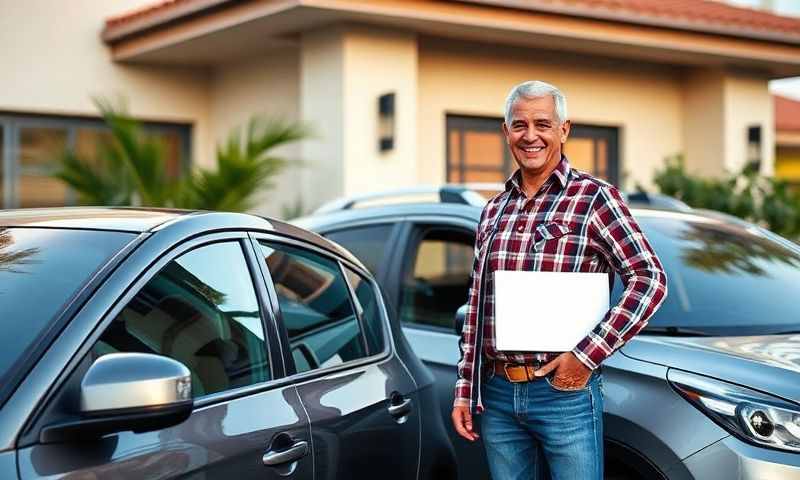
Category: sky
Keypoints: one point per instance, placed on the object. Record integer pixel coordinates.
(787, 87)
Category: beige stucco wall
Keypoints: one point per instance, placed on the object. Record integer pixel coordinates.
(54, 61)
(322, 103)
(704, 117)
(748, 103)
(344, 69)
(378, 61)
(643, 100)
(719, 106)
(266, 85)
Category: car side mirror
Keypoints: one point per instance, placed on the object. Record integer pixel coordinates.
(461, 314)
(128, 391)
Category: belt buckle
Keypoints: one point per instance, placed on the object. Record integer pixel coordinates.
(525, 367)
(505, 370)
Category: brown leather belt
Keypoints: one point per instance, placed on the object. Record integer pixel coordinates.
(517, 372)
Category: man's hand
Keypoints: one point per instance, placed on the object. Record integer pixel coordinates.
(462, 421)
(570, 373)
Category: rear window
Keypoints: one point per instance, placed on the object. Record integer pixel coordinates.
(40, 271)
(724, 279)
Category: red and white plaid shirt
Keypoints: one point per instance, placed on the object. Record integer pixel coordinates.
(574, 223)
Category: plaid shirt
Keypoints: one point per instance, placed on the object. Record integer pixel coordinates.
(574, 223)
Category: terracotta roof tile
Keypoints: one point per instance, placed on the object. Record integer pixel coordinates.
(145, 11)
(787, 114)
(710, 15)
(703, 11)
(699, 14)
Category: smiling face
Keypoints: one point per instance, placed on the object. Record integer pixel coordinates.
(535, 135)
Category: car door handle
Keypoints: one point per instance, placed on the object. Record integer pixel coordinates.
(295, 452)
(400, 409)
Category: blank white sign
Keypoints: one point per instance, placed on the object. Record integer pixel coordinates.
(547, 311)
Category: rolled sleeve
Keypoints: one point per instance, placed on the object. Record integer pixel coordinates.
(616, 234)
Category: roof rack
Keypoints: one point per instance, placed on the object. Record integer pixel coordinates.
(464, 194)
(467, 194)
(656, 200)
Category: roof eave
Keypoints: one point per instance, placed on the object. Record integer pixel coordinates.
(115, 31)
(460, 19)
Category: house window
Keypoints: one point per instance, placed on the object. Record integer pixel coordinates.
(31, 148)
(477, 151)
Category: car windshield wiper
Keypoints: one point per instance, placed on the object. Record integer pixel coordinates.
(675, 332)
(787, 332)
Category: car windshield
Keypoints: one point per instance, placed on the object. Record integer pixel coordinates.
(723, 279)
(41, 270)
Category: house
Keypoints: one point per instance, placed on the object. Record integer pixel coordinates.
(398, 92)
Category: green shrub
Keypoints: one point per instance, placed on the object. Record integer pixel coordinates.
(766, 201)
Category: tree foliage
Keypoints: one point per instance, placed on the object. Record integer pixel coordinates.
(748, 195)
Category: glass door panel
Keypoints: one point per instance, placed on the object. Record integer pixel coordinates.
(483, 149)
(479, 176)
(594, 150)
(171, 143)
(581, 153)
(40, 150)
(89, 143)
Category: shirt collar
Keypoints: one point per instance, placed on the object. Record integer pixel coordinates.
(561, 174)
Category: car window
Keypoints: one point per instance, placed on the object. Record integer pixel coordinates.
(437, 281)
(41, 270)
(723, 279)
(366, 243)
(316, 307)
(200, 309)
(367, 298)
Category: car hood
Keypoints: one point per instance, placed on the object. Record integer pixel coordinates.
(770, 363)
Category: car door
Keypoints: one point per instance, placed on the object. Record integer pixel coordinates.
(428, 279)
(361, 400)
(200, 306)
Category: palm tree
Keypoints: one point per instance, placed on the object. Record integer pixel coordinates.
(244, 165)
(130, 168)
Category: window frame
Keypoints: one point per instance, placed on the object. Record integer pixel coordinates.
(234, 243)
(272, 354)
(456, 169)
(12, 122)
(360, 308)
(418, 227)
(291, 373)
(473, 123)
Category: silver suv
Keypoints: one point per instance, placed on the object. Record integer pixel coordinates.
(709, 390)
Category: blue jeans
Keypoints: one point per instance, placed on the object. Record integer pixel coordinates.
(534, 431)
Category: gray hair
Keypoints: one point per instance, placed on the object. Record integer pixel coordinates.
(537, 89)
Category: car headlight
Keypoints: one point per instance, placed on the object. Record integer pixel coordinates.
(753, 416)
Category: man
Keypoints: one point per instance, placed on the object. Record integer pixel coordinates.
(543, 410)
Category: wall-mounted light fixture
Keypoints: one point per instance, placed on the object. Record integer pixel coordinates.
(754, 148)
(386, 122)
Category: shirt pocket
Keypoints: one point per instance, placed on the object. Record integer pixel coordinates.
(549, 234)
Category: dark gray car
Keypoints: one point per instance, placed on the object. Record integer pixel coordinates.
(709, 390)
(165, 344)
